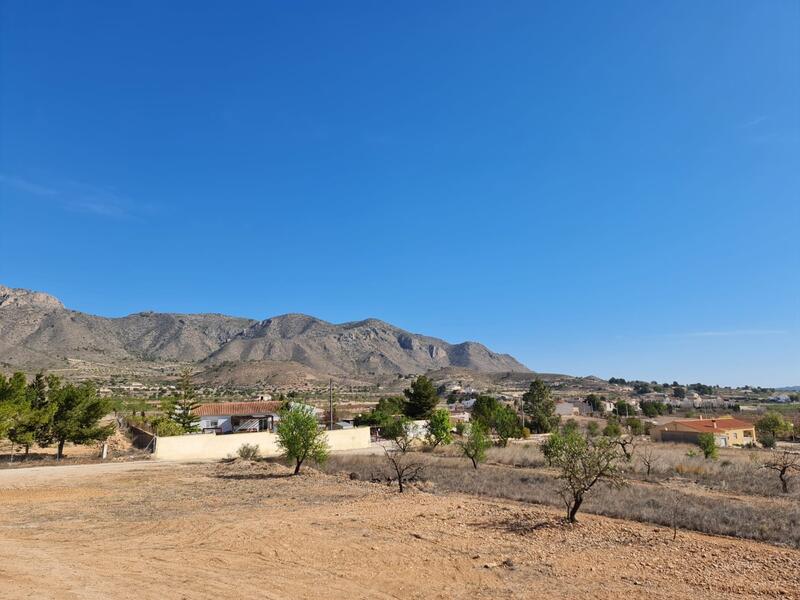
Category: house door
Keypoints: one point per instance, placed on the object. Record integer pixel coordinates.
(265, 424)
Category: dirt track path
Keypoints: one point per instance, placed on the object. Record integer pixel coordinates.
(211, 531)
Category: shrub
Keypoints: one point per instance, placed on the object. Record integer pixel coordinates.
(708, 445)
(570, 426)
(683, 469)
(248, 451)
(164, 427)
(767, 440)
(592, 429)
(613, 429)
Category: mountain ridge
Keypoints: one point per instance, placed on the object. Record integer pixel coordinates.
(38, 332)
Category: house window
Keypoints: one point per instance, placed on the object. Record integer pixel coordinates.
(735, 435)
(213, 424)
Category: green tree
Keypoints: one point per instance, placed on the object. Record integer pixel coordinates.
(386, 409)
(653, 409)
(624, 409)
(421, 398)
(707, 445)
(484, 410)
(476, 443)
(773, 423)
(14, 409)
(679, 392)
(582, 463)
(439, 428)
(33, 419)
(300, 437)
(540, 408)
(635, 426)
(182, 408)
(76, 415)
(596, 402)
(507, 424)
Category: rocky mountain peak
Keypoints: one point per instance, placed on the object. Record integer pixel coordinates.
(21, 298)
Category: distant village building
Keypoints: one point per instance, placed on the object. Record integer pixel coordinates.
(727, 431)
(780, 398)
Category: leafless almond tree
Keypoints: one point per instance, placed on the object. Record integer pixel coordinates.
(784, 464)
(650, 459)
(401, 460)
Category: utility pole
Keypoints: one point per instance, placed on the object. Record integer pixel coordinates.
(330, 400)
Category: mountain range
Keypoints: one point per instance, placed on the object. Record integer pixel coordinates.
(38, 332)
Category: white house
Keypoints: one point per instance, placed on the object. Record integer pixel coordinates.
(234, 417)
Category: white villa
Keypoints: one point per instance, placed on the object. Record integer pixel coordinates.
(235, 417)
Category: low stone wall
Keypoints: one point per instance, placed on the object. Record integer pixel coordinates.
(210, 446)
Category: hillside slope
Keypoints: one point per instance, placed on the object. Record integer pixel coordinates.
(38, 332)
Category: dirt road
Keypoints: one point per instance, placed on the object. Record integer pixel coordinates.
(160, 530)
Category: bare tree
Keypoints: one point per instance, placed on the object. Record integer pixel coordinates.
(650, 459)
(626, 443)
(405, 468)
(783, 463)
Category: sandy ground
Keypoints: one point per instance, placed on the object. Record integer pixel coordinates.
(242, 530)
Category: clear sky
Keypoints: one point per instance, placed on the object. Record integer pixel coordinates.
(608, 188)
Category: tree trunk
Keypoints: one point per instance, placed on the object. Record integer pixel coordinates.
(12, 454)
(474, 462)
(784, 483)
(60, 451)
(574, 510)
(297, 467)
(400, 483)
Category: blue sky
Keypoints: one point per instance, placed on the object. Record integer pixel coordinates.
(597, 188)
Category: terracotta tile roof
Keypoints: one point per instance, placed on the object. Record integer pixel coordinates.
(244, 409)
(707, 425)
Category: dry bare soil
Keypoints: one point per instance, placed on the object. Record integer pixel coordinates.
(247, 530)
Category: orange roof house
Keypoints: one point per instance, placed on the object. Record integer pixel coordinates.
(727, 431)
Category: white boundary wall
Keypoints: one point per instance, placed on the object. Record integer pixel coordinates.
(209, 446)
